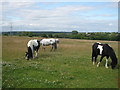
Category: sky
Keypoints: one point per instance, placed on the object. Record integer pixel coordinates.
(60, 16)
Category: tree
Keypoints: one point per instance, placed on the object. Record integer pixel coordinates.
(74, 32)
(56, 36)
(44, 35)
(50, 35)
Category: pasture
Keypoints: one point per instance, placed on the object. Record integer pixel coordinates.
(69, 66)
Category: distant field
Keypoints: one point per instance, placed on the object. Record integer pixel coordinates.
(68, 67)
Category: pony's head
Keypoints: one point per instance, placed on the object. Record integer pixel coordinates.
(28, 54)
(114, 63)
(113, 58)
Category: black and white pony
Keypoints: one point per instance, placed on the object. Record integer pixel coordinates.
(48, 42)
(105, 51)
(32, 46)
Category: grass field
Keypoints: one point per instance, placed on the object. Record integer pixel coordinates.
(68, 67)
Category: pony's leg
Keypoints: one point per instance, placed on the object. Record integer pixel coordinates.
(36, 53)
(55, 46)
(106, 65)
(44, 48)
(100, 61)
(33, 56)
(33, 53)
(94, 59)
(52, 48)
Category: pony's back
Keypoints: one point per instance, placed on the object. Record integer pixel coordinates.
(47, 41)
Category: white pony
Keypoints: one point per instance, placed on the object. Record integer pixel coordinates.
(33, 46)
(47, 42)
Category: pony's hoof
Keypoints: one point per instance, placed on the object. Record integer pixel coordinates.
(106, 67)
(97, 65)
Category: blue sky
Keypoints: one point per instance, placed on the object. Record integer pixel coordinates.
(60, 16)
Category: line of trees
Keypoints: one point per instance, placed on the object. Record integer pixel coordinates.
(113, 36)
(92, 36)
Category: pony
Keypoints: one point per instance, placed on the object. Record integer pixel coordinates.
(104, 50)
(32, 46)
(47, 42)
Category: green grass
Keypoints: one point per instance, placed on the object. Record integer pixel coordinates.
(68, 67)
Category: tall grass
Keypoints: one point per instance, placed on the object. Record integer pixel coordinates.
(69, 66)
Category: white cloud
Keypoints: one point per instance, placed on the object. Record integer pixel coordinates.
(23, 16)
(58, 12)
(110, 24)
(16, 5)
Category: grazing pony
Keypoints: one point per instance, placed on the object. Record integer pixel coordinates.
(47, 42)
(32, 46)
(103, 50)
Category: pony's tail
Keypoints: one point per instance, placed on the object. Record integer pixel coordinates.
(113, 58)
(55, 45)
